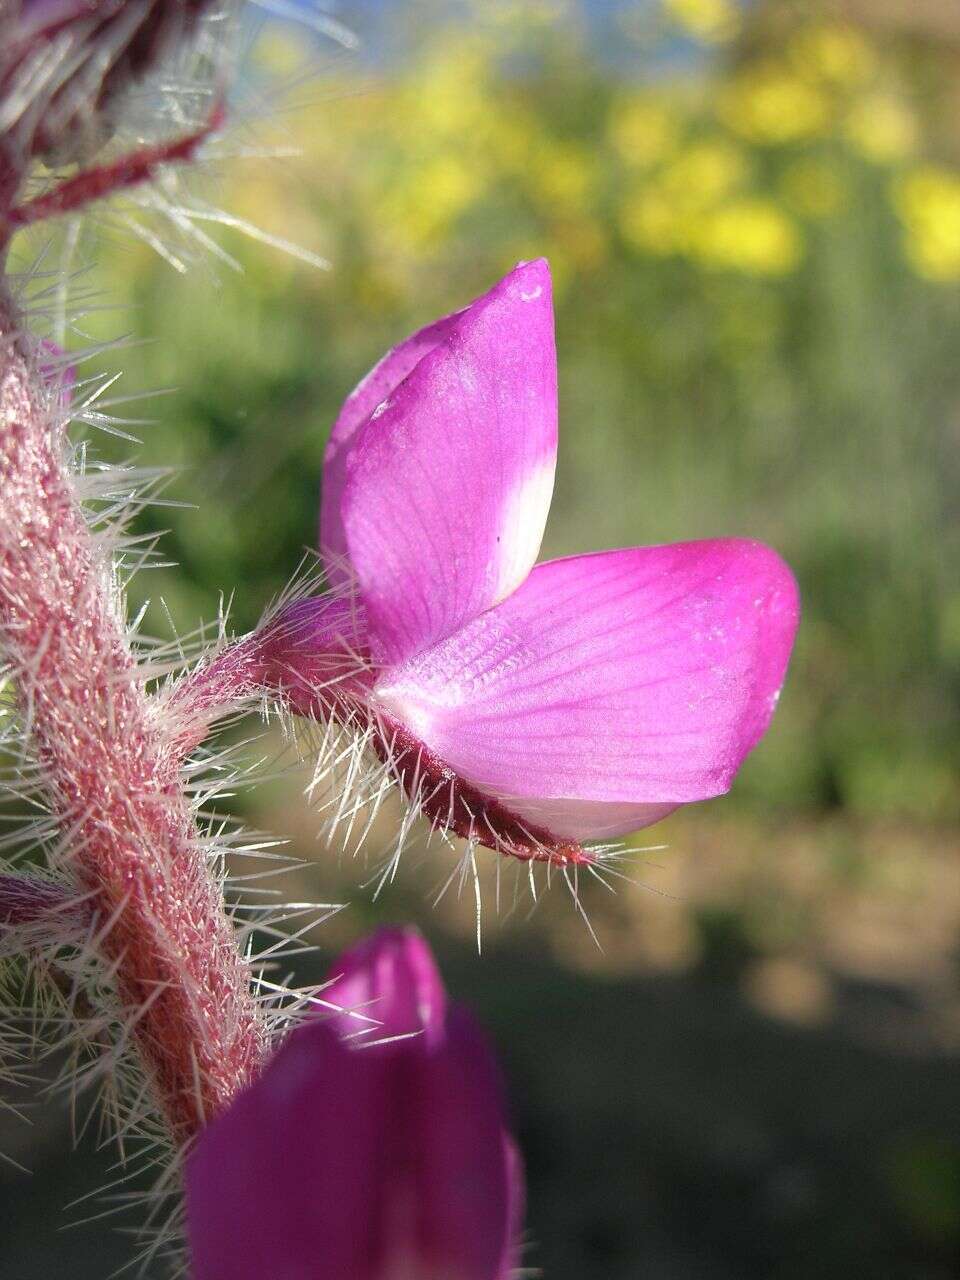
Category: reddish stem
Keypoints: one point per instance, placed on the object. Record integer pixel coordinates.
(105, 179)
(109, 764)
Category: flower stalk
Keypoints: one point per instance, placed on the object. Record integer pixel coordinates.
(111, 773)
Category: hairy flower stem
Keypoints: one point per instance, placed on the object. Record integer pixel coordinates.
(112, 775)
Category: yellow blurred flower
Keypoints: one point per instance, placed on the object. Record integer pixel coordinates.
(448, 184)
(447, 97)
(834, 51)
(751, 235)
(769, 103)
(523, 14)
(882, 128)
(374, 290)
(643, 131)
(277, 52)
(562, 176)
(661, 215)
(709, 20)
(928, 202)
(512, 138)
(813, 187)
(419, 211)
(704, 173)
(648, 221)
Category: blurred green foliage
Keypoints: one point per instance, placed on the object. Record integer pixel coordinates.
(755, 245)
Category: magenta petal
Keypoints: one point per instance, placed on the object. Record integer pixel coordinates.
(286, 1182)
(393, 979)
(626, 678)
(449, 480)
(516, 1208)
(467, 1165)
(357, 408)
(362, 1163)
(58, 372)
(570, 819)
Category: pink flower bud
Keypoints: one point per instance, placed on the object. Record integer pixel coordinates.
(66, 67)
(65, 64)
(372, 1148)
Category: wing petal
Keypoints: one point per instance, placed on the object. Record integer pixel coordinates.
(609, 688)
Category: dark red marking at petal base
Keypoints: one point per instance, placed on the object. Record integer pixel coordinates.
(455, 805)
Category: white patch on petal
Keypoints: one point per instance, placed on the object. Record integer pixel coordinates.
(418, 717)
(586, 819)
(523, 518)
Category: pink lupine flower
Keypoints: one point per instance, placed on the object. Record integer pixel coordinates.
(530, 707)
(354, 1161)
